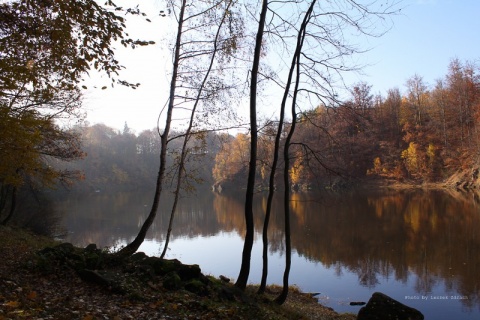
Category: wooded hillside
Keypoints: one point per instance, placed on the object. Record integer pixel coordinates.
(424, 134)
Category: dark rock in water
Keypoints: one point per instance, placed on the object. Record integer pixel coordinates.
(357, 303)
(382, 307)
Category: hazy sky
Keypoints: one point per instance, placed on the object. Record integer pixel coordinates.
(424, 38)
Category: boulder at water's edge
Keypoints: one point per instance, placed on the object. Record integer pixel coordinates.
(382, 307)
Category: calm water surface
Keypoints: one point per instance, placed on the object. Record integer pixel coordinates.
(421, 248)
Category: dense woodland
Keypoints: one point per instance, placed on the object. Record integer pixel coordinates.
(423, 133)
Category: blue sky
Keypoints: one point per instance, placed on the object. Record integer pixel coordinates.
(424, 38)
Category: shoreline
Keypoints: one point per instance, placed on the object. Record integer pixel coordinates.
(34, 287)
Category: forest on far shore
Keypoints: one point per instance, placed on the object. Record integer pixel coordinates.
(426, 133)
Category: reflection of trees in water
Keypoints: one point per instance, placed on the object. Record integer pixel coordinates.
(426, 279)
(367, 271)
(429, 234)
(389, 235)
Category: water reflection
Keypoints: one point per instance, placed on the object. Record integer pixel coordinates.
(422, 243)
(430, 234)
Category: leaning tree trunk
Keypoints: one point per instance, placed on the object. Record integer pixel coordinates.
(135, 244)
(252, 167)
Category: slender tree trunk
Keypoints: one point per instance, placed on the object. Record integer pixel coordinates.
(135, 244)
(286, 156)
(248, 244)
(276, 151)
(13, 204)
(183, 154)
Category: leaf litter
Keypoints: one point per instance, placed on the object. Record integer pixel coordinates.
(28, 291)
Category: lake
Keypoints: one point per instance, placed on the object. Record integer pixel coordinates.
(422, 248)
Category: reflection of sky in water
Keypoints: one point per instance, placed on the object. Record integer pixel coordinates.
(221, 255)
(402, 245)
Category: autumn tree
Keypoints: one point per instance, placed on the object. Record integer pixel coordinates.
(30, 144)
(442, 114)
(462, 81)
(231, 162)
(416, 102)
(362, 98)
(389, 134)
(45, 48)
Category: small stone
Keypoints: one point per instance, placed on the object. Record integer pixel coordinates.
(357, 303)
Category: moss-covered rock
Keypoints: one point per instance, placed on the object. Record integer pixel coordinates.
(196, 286)
(172, 281)
(188, 272)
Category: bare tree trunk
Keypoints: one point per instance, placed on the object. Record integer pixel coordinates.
(271, 184)
(135, 244)
(181, 166)
(286, 201)
(248, 244)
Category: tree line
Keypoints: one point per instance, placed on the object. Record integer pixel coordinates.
(123, 160)
(425, 134)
